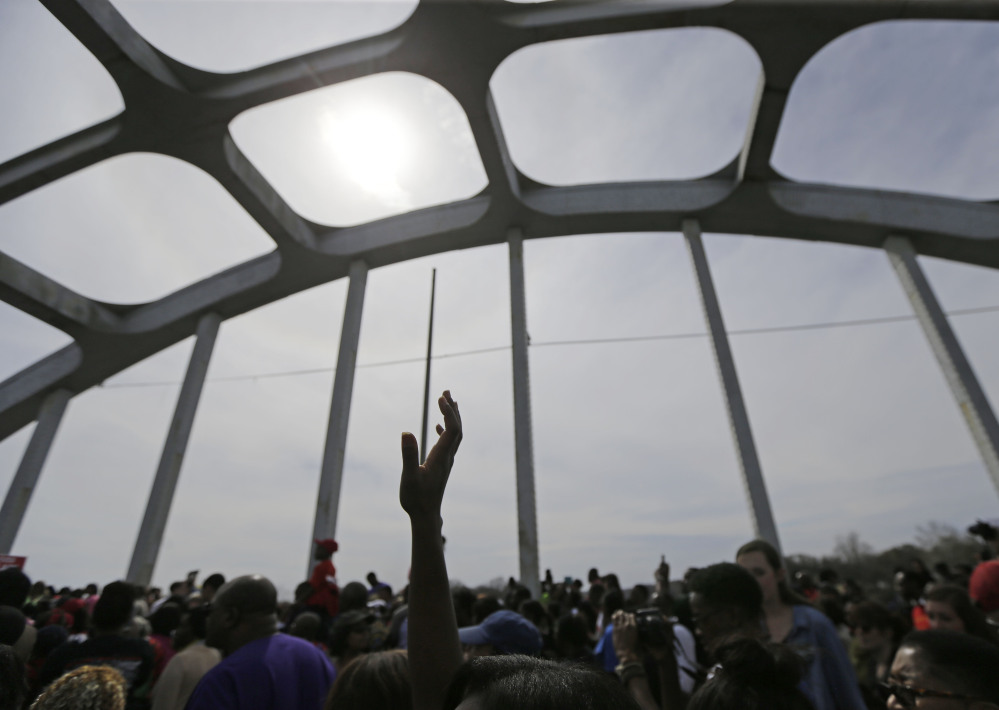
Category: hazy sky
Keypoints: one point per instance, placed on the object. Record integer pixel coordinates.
(855, 427)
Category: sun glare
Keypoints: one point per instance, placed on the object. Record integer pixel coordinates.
(371, 146)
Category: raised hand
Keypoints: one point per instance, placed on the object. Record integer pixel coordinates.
(421, 488)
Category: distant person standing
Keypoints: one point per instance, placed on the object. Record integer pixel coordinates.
(325, 597)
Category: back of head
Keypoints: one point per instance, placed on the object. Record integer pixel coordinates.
(353, 596)
(753, 675)
(86, 688)
(373, 680)
(114, 609)
(250, 594)
(14, 587)
(729, 585)
(528, 683)
(213, 581)
(612, 601)
(962, 663)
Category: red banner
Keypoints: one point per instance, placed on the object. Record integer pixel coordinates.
(12, 561)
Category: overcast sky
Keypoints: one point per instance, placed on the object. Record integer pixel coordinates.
(855, 427)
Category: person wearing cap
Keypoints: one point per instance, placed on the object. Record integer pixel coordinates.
(325, 597)
(350, 636)
(502, 632)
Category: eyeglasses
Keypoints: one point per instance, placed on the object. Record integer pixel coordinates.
(906, 695)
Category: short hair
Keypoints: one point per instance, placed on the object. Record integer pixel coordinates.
(728, 584)
(530, 683)
(165, 620)
(197, 621)
(214, 581)
(753, 675)
(964, 662)
(114, 609)
(353, 596)
(373, 680)
(873, 615)
(14, 587)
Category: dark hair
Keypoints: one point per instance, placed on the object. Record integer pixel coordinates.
(214, 581)
(728, 584)
(114, 609)
(14, 587)
(872, 615)
(483, 607)
(165, 620)
(529, 683)
(374, 680)
(13, 684)
(612, 601)
(787, 596)
(353, 596)
(966, 663)
(974, 620)
(753, 676)
(197, 621)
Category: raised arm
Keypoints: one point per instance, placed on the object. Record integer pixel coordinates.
(434, 649)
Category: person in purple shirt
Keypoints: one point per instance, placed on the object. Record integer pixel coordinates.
(261, 669)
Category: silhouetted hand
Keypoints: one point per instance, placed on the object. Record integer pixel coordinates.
(421, 488)
(625, 637)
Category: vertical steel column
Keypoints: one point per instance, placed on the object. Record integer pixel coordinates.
(527, 523)
(956, 369)
(752, 476)
(147, 544)
(26, 477)
(331, 475)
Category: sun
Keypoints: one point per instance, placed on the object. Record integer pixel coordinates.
(371, 145)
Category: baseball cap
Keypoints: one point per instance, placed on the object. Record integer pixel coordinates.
(506, 631)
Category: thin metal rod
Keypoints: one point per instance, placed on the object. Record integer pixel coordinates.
(961, 379)
(147, 543)
(752, 474)
(26, 478)
(426, 378)
(331, 474)
(527, 520)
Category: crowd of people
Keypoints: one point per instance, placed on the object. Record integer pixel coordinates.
(739, 634)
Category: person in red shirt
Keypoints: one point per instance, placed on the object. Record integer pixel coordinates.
(325, 597)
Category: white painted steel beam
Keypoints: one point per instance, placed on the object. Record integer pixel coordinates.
(961, 379)
(331, 475)
(752, 475)
(26, 477)
(527, 522)
(147, 544)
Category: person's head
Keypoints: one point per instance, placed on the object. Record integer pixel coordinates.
(753, 675)
(485, 606)
(571, 637)
(765, 564)
(306, 625)
(949, 607)
(372, 579)
(528, 683)
(373, 680)
(503, 632)
(908, 584)
(638, 597)
(351, 633)
(353, 596)
(14, 587)
(91, 589)
(192, 627)
(86, 688)
(612, 601)
(165, 620)
(872, 626)
(984, 586)
(114, 609)
(211, 586)
(944, 670)
(244, 610)
(611, 581)
(593, 576)
(325, 548)
(725, 601)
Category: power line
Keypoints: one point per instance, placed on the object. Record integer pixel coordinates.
(554, 343)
